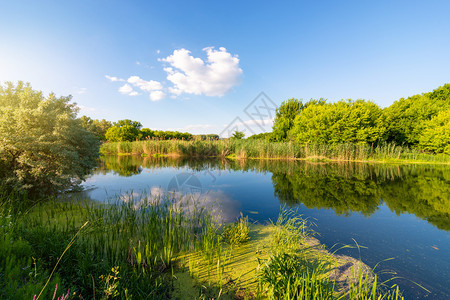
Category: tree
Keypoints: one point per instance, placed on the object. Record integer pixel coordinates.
(125, 133)
(146, 134)
(124, 130)
(406, 118)
(346, 121)
(284, 118)
(436, 134)
(238, 135)
(128, 122)
(43, 147)
(97, 127)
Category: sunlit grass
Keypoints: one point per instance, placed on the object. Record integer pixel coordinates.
(261, 149)
(134, 248)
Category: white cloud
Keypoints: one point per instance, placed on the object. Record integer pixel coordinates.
(147, 86)
(126, 89)
(192, 75)
(158, 51)
(157, 95)
(215, 76)
(113, 78)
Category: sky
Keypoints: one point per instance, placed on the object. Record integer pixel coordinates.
(216, 66)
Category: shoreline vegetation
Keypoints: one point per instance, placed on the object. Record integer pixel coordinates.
(155, 247)
(263, 149)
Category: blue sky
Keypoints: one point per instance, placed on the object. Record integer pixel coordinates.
(221, 55)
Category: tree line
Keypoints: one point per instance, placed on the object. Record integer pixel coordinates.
(128, 130)
(420, 121)
(45, 148)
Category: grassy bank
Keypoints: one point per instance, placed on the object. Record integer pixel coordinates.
(261, 149)
(152, 248)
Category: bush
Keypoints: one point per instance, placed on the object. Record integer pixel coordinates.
(44, 148)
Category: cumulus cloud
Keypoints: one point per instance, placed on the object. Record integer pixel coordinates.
(154, 88)
(147, 86)
(213, 77)
(157, 95)
(126, 89)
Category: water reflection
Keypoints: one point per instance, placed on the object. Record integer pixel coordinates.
(345, 188)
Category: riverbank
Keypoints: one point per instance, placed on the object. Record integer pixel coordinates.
(151, 248)
(261, 149)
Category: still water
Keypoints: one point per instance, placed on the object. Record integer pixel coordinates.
(391, 211)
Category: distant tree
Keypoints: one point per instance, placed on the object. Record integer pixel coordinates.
(238, 135)
(284, 118)
(97, 127)
(127, 122)
(146, 134)
(206, 137)
(43, 147)
(121, 134)
(261, 136)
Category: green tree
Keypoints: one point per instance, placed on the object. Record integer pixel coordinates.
(284, 118)
(97, 127)
(127, 122)
(406, 118)
(124, 130)
(146, 134)
(43, 147)
(238, 135)
(121, 134)
(436, 134)
(346, 121)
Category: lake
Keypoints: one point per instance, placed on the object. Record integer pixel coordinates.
(391, 211)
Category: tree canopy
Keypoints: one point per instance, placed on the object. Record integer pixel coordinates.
(284, 118)
(407, 118)
(97, 127)
(346, 121)
(43, 148)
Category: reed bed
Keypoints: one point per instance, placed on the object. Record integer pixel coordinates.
(132, 247)
(262, 149)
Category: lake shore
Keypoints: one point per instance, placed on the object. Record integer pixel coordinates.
(167, 253)
(260, 149)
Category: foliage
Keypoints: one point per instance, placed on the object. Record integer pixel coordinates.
(348, 121)
(169, 135)
(44, 149)
(97, 127)
(127, 122)
(237, 233)
(146, 134)
(407, 118)
(124, 130)
(435, 136)
(254, 148)
(287, 276)
(238, 135)
(284, 119)
(268, 136)
(206, 137)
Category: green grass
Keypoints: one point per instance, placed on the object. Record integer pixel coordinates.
(261, 149)
(141, 246)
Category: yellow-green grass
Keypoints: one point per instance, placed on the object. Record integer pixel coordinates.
(261, 149)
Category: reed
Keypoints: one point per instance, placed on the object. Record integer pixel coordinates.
(132, 247)
(262, 149)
